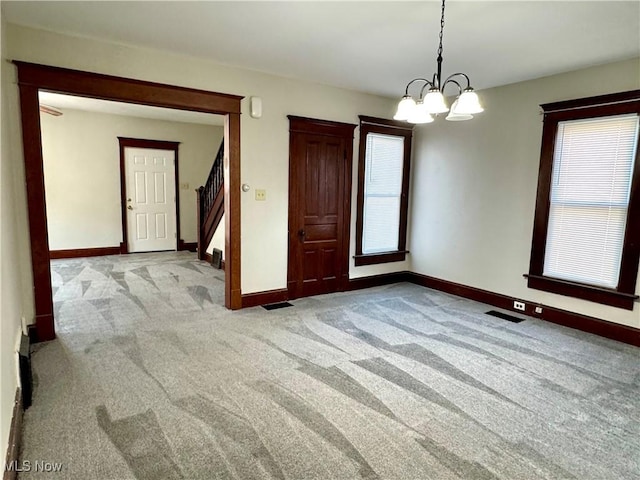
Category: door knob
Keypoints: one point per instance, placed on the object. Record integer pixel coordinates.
(301, 233)
(130, 207)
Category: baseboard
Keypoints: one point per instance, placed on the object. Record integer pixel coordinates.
(15, 440)
(614, 331)
(209, 258)
(84, 252)
(188, 246)
(264, 298)
(377, 280)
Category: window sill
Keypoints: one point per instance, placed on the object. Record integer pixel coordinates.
(383, 257)
(601, 295)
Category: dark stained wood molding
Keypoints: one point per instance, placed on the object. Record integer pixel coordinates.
(188, 246)
(387, 127)
(375, 258)
(610, 98)
(126, 142)
(15, 439)
(615, 331)
(34, 77)
(232, 285)
(378, 280)
(586, 292)
(36, 201)
(264, 298)
(385, 122)
(120, 89)
(84, 252)
(624, 295)
(320, 127)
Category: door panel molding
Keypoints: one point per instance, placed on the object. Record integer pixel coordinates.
(34, 77)
(302, 131)
(150, 144)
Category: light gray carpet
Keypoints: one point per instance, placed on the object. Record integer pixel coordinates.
(151, 378)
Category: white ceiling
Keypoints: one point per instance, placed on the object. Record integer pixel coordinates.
(370, 46)
(63, 102)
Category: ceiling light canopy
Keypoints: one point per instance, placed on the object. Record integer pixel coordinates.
(421, 110)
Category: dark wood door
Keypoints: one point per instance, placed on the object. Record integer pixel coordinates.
(319, 206)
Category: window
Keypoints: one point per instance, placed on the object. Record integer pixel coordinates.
(383, 184)
(587, 224)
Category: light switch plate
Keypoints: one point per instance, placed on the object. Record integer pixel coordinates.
(261, 195)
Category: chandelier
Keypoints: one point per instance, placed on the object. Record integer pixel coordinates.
(421, 110)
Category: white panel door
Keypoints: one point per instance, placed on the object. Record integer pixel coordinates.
(151, 199)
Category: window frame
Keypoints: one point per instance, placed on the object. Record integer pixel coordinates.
(623, 296)
(393, 128)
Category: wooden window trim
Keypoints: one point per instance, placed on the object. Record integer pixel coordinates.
(624, 295)
(387, 127)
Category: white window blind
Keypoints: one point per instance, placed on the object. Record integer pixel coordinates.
(592, 170)
(384, 160)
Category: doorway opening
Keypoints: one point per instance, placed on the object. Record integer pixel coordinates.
(33, 78)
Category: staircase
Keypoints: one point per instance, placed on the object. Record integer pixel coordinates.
(211, 203)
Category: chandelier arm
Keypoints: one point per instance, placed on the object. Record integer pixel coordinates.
(426, 82)
(453, 75)
(450, 80)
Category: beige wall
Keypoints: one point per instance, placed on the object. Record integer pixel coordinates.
(82, 173)
(474, 188)
(218, 239)
(264, 142)
(10, 299)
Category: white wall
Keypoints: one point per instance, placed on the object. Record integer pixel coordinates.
(218, 239)
(82, 173)
(264, 142)
(10, 299)
(474, 188)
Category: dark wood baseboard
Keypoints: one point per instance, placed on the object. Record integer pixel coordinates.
(84, 252)
(15, 440)
(615, 331)
(188, 246)
(377, 280)
(208, 258)
(264, 298)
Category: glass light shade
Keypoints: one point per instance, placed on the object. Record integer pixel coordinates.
(454, 116)
(420, 114)
(406, 107)
(434, 102)
(468, 103)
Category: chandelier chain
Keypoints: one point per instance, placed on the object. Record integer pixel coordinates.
(441, 30)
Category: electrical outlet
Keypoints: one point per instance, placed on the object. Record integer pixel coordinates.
(518, 305)
(538, 310)
(261, 195)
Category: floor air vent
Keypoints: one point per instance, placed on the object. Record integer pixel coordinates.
(505, 316)
(275, 306)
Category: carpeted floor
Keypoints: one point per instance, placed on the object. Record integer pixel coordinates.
(151, 378)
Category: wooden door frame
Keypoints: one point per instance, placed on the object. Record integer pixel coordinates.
(34, 77)
(330, 128)
(126, 142)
